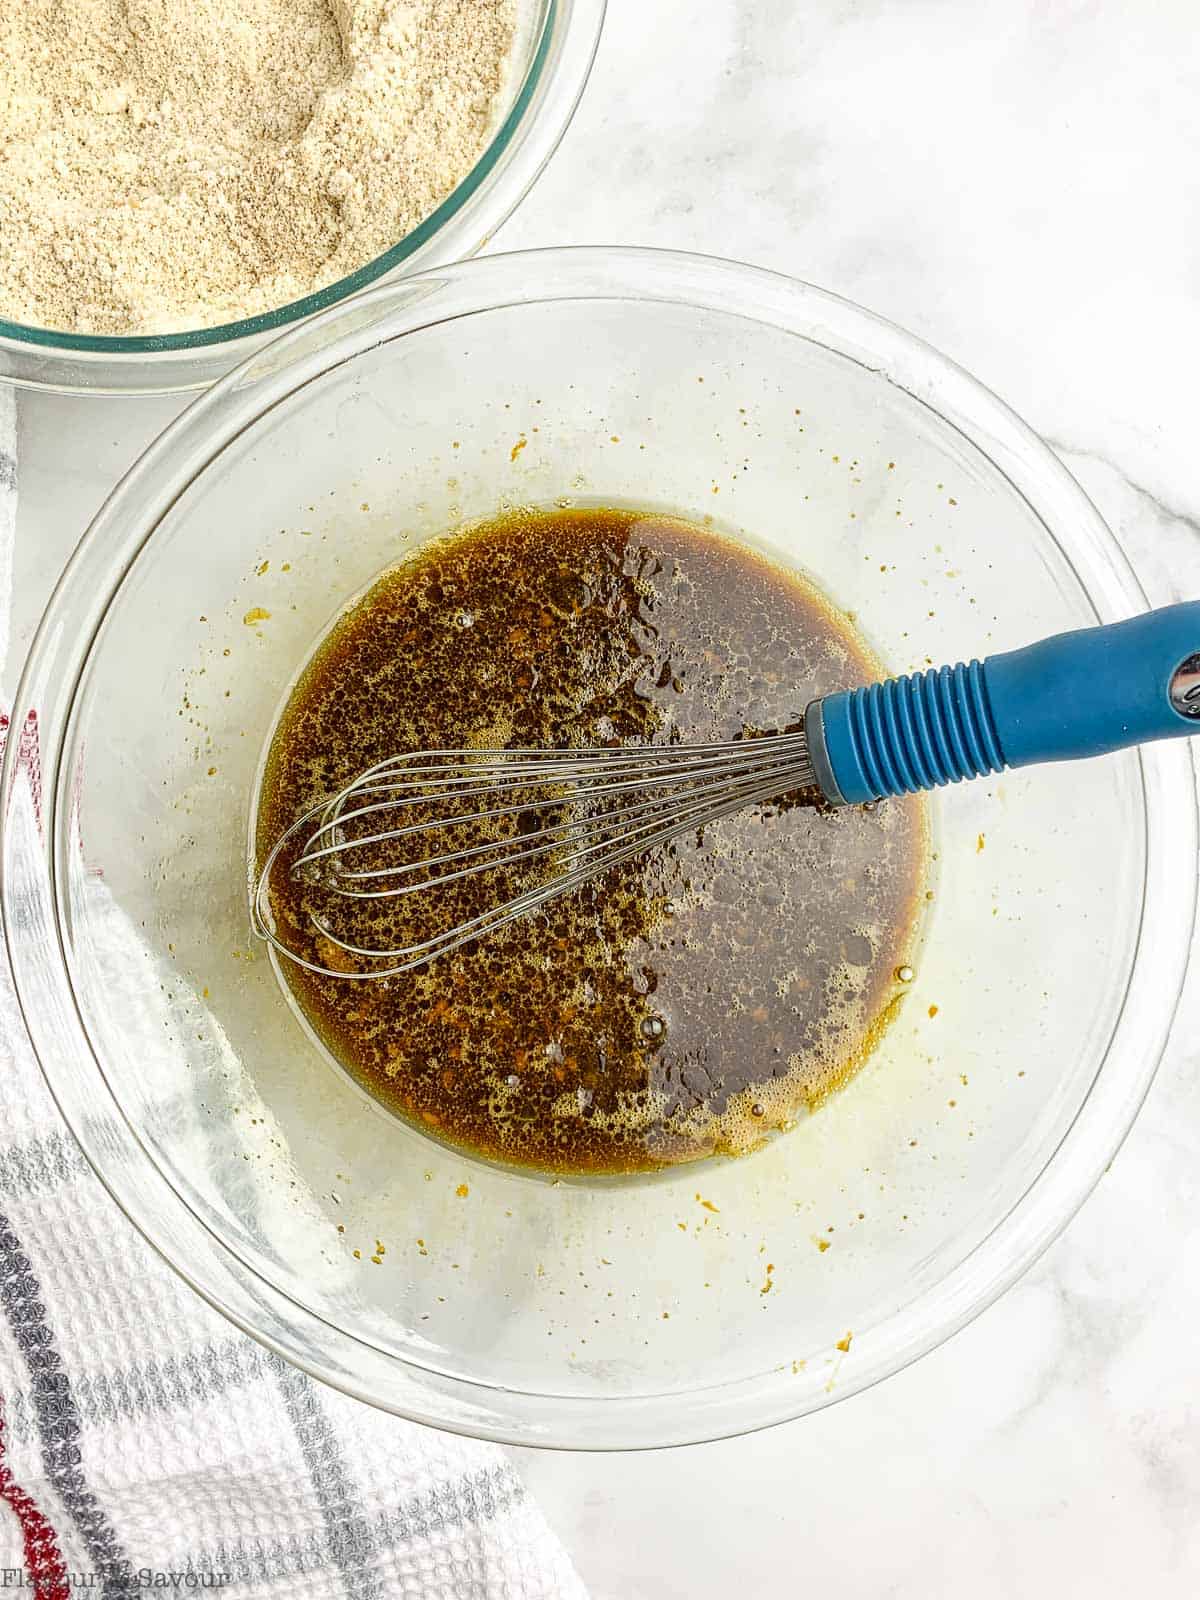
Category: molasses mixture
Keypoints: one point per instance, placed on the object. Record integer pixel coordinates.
(688, 1001)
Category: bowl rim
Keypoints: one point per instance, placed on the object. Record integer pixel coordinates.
(29, 899)
(558, 17)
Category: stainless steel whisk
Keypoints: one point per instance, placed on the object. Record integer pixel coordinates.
(585, 809)
(579, 812)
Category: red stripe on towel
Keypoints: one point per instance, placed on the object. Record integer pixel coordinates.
(29, 756)
(43, 1559)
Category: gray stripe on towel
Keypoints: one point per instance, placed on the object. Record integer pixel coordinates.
(58, 1422)
(172, 1383)
(469, 1502)
(42, 1163)
(351, 1541)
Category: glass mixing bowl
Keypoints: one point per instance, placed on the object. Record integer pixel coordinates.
(555, 45)
(577, 1314)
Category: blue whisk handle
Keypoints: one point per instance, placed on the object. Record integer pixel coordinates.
(1075, 695)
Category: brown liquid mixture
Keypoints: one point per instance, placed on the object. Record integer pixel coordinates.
(686, 1002)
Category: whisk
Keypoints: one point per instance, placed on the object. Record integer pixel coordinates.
(567, 815)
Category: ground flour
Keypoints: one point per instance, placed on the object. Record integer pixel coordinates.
(167, 166)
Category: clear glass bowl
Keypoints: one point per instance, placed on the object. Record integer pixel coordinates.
(583, 1315)
(555, 45)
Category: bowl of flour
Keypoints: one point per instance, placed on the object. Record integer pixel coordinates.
(179, 183)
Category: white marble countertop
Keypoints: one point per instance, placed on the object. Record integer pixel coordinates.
(1016, 183)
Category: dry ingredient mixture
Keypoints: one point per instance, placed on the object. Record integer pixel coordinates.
(685, 1002)
(166, 166)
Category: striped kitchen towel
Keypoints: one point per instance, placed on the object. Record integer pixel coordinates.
(147, 1447)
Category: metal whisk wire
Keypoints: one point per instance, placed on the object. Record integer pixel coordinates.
(610, 804)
